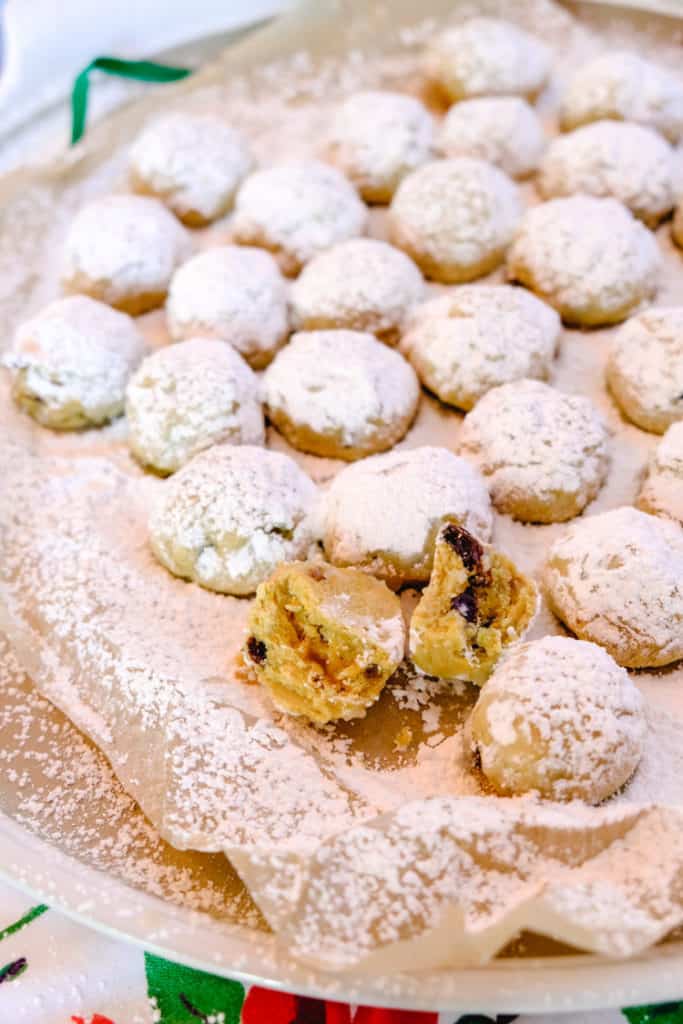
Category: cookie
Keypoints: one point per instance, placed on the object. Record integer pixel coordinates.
(70, 364)
(455, 218)
(623, 86)
(193, 163)
(625, 161)
(340, 394)
(479, 336)
(558, 718)
(587, 257)
(545, 454)
(123, 250)
(378, 137)
(644, 370)
(324, 641)
(661, 492)
(296, 210)
(617, 579)
(504, 130)
(230, 516)
(185, 398)
(232, 293)
(476, 604)
(360, 285)
(383, 513)
(487, 57)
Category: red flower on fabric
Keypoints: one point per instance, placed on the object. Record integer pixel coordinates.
(281, 1008)
(96, 1018)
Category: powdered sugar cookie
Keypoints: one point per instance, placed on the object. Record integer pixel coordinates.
(622, 86)
(340, 394)
(626, 161)
(560, 718)
(487, 57)
(192, 162)
(617, 579)
(296, 210)
(377, 138)
(233, 293)
(231, 515)
(479, 336)
(589, 258)
(545, 453)
(455, 218)
(187, 397)
(383, 513)
(504, 130)
(662, 490)
(70, 363)
(644, 368)
(123, 250)
(362, 285)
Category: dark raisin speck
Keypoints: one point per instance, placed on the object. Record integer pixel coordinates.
(467, 547)
(465, 604)
(257, 650)
(372, 671)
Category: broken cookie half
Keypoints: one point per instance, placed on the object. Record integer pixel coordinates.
(324, 640)
(476, 604)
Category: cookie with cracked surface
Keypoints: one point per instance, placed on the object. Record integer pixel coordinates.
(324, 641)
(504, 130)
(661, 492)
(476, 604)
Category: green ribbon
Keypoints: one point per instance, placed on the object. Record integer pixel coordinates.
(140, 70)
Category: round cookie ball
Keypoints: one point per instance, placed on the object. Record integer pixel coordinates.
(340, 394)
(589, 258)
(455, 218)
(644, 368)
(383, 513)
(377, 138)
(487, 57)
(187, 397)
(191, 162)
(545, 453)
(479, 336)
(123, 250)
(625, 161)
(677, 226)
(617, 579)
(229, 517)
(296, 210)
(362, 285)
(560, 718)
(622, 86)
(70, 363)
(662, 490)
(232, 293)
(504, 130)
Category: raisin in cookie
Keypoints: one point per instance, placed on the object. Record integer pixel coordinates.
(560, 718)
(662, 489)
(324, 641)
(297, 210)
(123, 250)
(617, 579)
(187, 397)
(70, 364)
(644, 368)
(233, 293)
(191, 162)
(545, 453)
(230, 516)
(340, 394)
(504, 130)
(455, 218)
(589, 258)
(362, 285)
(383, 513)
(479, 336)
(377, 138)
(487, 57)
(476, 604)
